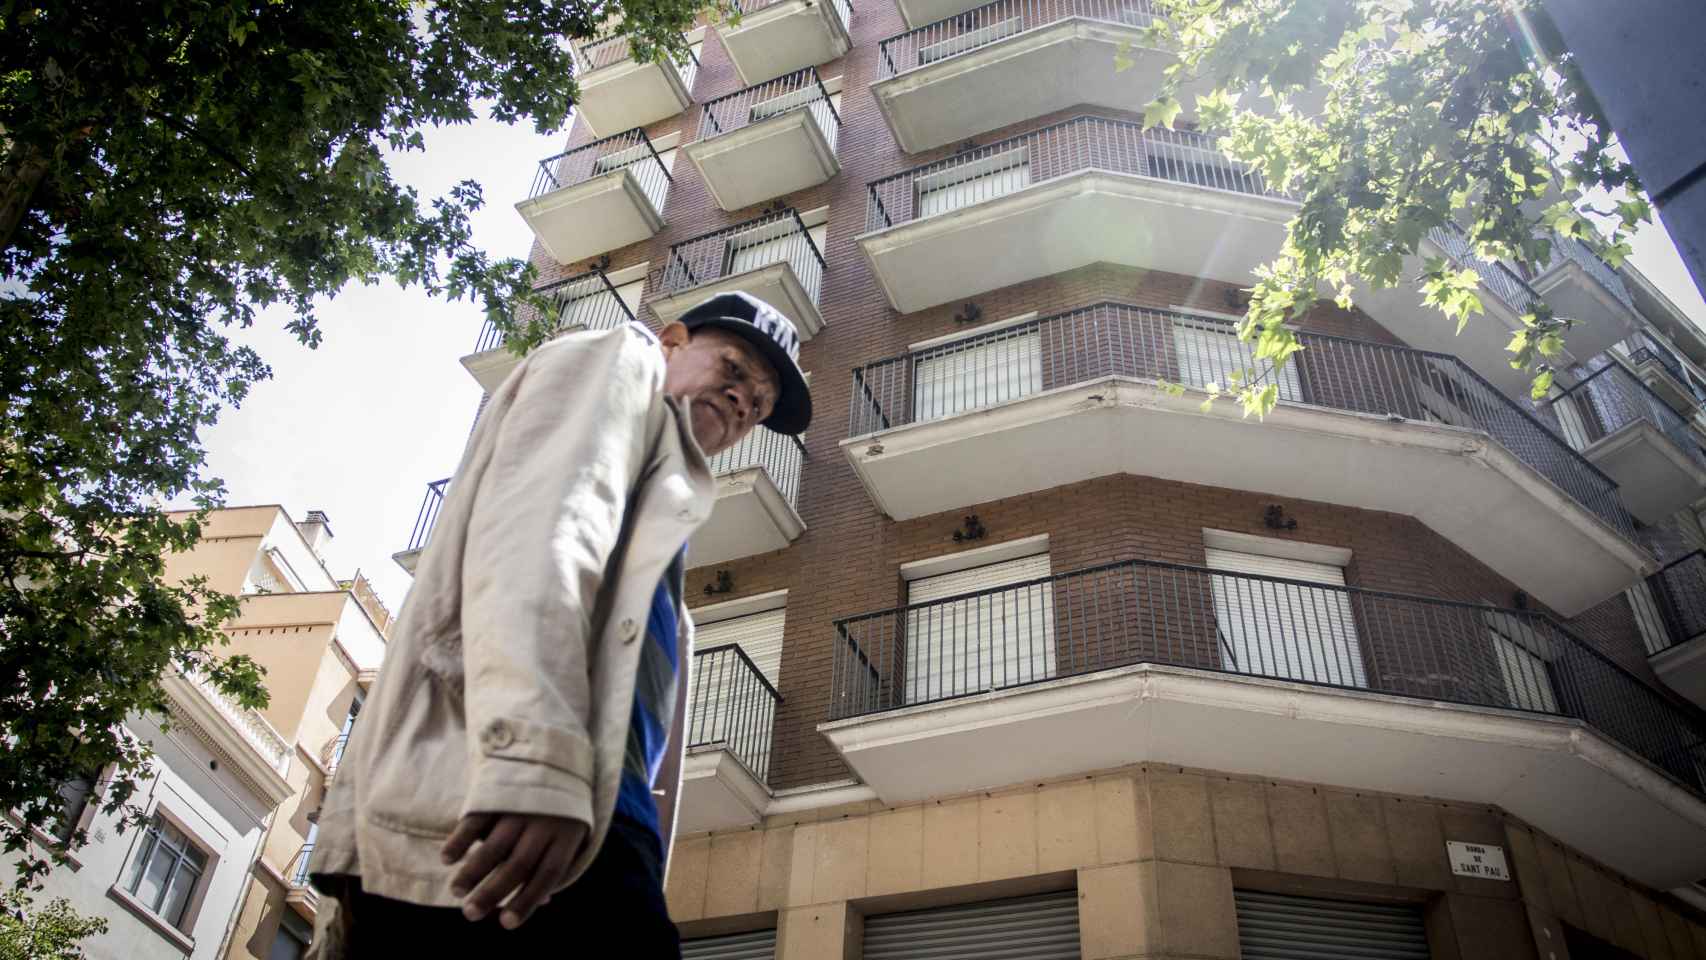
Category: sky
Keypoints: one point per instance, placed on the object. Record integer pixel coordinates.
(359, 427)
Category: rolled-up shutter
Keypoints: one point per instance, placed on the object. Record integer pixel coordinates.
(1028, 928)
(1274, 926)
(758, 945)
(1284, 629)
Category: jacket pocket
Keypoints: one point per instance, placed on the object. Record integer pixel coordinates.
(419, 773)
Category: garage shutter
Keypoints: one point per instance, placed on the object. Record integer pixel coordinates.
(1283, 629)
(1273, 926)
(760, 945)
(997, 639)
(1028, 928)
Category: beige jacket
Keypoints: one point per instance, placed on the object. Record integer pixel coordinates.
(509, 681)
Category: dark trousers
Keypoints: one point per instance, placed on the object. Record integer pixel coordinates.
(616, 909)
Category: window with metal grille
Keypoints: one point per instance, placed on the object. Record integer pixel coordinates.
(1210, 352)
(980, 372)
(1288, 630)
(972, 182)
(166, 872)
(992, 639)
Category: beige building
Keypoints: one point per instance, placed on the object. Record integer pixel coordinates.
(321, 640)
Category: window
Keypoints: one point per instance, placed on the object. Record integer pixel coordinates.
(970, 40)
(74, 795)
(1522, 657)
(728, 704)
(1570, 421)
(1001, 635)
(1648, 619)
(166, 872)
(792, 100)
(779, 241)
(974, 182)
(292, 939)
(978, 372)
(1287, 630)
(1211, 352)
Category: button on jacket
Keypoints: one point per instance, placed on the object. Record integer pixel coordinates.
(509, 681)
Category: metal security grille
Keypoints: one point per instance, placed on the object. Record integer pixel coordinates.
(1273, 926)
(758, 945)
(1028, 928)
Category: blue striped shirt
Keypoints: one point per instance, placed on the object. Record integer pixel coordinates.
(654, 704)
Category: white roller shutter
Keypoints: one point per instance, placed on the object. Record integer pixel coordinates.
(727, 704)
(953, 379)
(1211, 352)
(1522, 656)
(760, 246)
(1283, 629)
(1028, 928)
(973, 182)
(759, 945)
(1275, 926)
(997, 639)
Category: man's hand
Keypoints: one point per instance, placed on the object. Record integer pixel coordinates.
(517, 850)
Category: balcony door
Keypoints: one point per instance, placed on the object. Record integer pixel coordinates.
(761, 246)
(992, 639)
(977, 373)
(1288, 630)
(1210, 352)
(726, 703)
(1523, 659)
(974, 182)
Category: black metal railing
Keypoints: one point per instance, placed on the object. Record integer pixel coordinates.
(992, 22)
(1071, 146)
(780, 455)
(732, 703)
(586, 301)
(1506, 284)
(800, 90)
(613, 50)
(1611, 398)
(1139, 611)
(1566, 250)
(843, 8)
(297, 871)
(773, 238)
(1679, 589)
(427, 516)
(631, 151)
(333, 754)
(1116, 340)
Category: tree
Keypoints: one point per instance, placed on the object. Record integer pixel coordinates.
(1386, 119)
(55, 932)
(166, 170)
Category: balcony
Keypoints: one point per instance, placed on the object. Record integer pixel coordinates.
(1011, 60)
(1083, 191)
(1027, 406)
(332, 756)
(1628, 431)
(772, 257)
(597, 197)
(1139, 661)
(1680, 592)
(1578, 285)
(730, 721)
(775, 37)
(425, 518)
(258, 754)
(767, 141)
(758, 485)
(1660, 369)
(620, 93)
(299, 893)
(587, 301)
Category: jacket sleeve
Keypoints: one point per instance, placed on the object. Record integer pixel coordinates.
(545, 521)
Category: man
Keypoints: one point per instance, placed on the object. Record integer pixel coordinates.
(513, 781)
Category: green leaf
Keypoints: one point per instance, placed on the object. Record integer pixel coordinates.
(1161, 112)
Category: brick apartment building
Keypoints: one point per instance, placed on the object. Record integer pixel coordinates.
(1020, 654)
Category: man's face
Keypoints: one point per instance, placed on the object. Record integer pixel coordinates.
(728, 384)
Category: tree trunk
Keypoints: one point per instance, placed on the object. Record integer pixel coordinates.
(25, 167)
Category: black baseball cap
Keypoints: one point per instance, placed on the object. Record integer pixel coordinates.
(763, 326)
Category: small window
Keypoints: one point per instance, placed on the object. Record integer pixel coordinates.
(167, 871)
(75, 795)
(292, 939)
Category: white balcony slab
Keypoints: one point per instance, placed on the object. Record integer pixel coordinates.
(1665, 384)
(775, 284)
(1031, 73)
(1601, 318)
(1683, 669)
(785, 37)
(1560, 775)
(765, 160)
(718, 792)
(592, 217)
(490, 368)
(1463, 485)
(1073, 221)
(750, 517)
(1655, 477)
(627, 94)
(408, 560)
